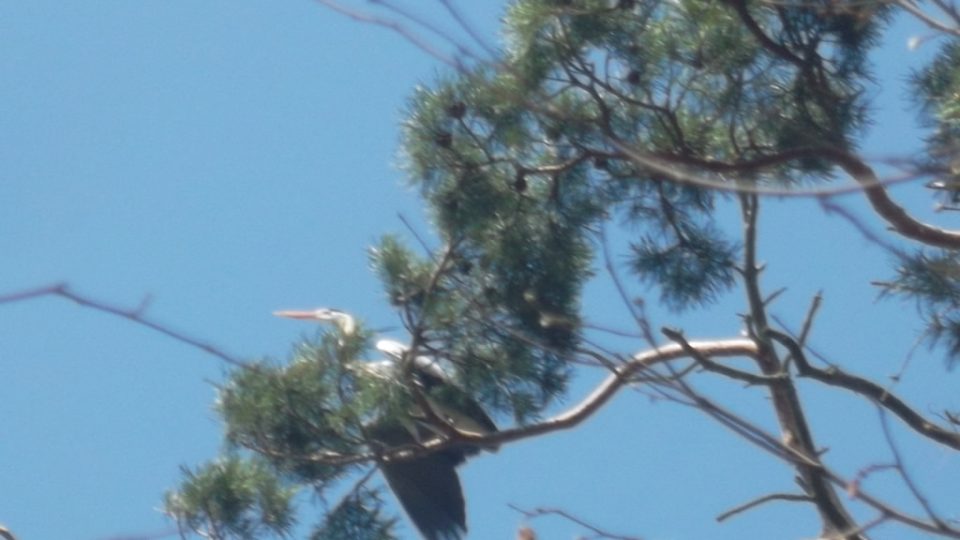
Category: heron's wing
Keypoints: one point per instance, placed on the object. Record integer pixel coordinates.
(461, 411)
(391, 348)
(429, 490)
(395, 351)
(427, 487)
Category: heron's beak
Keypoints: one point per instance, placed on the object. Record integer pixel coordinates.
(296, 314)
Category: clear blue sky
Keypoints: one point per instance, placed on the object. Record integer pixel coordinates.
(226, 159)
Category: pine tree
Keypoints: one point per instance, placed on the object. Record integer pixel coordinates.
(644, 116)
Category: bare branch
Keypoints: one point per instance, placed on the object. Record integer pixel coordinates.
(839, 378)
(866, 178)
(136, 315)
(785, 450)
(761, 500)
(638, 314)
(902, 470)
(677, 337)
(832, 208)
(600, 533)
(912, 8)
(786, 402)
(808, 320)
(393, 26)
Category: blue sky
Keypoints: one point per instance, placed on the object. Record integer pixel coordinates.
(225, 159)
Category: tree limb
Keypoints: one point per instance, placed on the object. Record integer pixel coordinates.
(875, 190)
(623, 374)
(677, 337)
(786, 403)
(839, 378)
(137, 315)
(765, 499)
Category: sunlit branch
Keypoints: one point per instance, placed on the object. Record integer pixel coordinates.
(571, 418)
(677, 337)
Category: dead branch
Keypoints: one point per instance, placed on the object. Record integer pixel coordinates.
(790, 413)
(538, 512)
(835, 376)
(677, 337)
(782, 450)
(901, 468)
(762, 500)
(136, 315)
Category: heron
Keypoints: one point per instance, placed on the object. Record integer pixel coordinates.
(427, 486)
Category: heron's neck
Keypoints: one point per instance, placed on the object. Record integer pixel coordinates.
(347, 325)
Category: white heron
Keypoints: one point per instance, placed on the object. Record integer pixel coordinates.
(427, 487)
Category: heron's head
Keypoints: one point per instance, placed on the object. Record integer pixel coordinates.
(342, 319)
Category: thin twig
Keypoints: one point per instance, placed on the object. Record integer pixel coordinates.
(406, 223)
(393, 26)
(761, 500)
(639, 315)
(902, 469)
(808, 320)
(135, 315)
(538, 512)
(832, 208)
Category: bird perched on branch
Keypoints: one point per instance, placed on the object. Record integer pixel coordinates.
(427, 486)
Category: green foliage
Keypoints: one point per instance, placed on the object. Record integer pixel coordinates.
(232, 498)
(938, 86)
(937, 91)
(358, 517)
(695, 265)
(505, 322)
(294, 417)
(405, 275)
(597, 111)
(932, 280)
(520, 160)
(294, 411)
